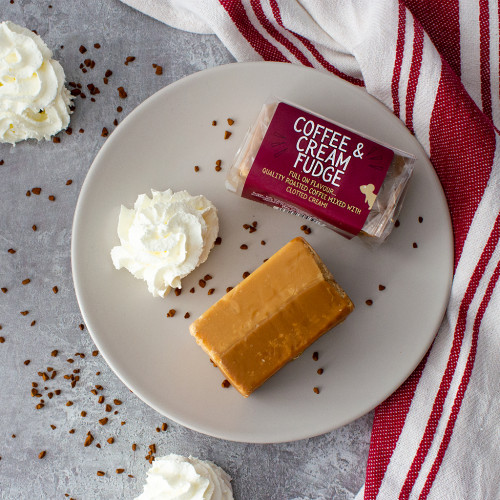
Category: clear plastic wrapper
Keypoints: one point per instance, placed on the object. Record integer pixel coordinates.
(384, 206)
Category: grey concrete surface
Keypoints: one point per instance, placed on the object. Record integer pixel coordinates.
(325, 467)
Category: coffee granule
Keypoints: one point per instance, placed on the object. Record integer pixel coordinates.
(24, 313)
(192, 290)
(315, 356)
(119, 109)
(178, 291)
(159, 70)
(33, 323)
(34, 227)
(97, 45)
(100, 400)
(211, 291)
(100, 473)
(82, 49)
(218, 168)
(171, 313)
(316, 390)
(244, 247)
(69, 403)
(122, 93)
(415, 245)
(187, 315)
(104, 132)
(225, 383)
(228, 289)
(81, 326)
(202, 283)
(320, 371)
(218, 240)
(230, 121)
(196, 168)
(26, 281)
(120, 471)
(111, 440)
(71, 431)
(2, 340)
(164, 426)
(55, 289)
(36, 190)
(115, 122)
(83, 414)
(4, 290)
(245, 275)
(129, 59)
(369, 302)
(27, 362)
(134, 447)
(227, 135)
(42, 454)
(81, 131)
(397, 223)
(207, 277)
(11, 251)
(262, 242)
(56, 140)
(214, 123)
(103, 421)
(420, 220)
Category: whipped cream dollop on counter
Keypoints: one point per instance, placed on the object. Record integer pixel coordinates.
(181, 478)
(165, 237)
(34, 103)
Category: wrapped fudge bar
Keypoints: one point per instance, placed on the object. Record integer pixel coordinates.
(303, 163)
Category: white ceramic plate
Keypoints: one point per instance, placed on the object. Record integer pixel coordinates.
(364, 360)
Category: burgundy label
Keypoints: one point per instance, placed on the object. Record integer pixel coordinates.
(316, 168)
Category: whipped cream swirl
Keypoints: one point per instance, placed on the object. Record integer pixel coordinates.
(34, 104)
(180, 478)
(165, 237)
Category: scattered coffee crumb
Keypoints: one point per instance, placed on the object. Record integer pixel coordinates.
(81, 326)
(218, 240)
(33, 323)
(81, 131)
(71, 431)
(55, 289)
(134, 447)
(381, 288)
(36, 190)
(171, 313)
(115, 122)
(34, 227)
(262, 242)
(26, 281)
(104, 132)
(2, 340)
(108, 73)
(27, 362)
(187, 315)
(228, 289)
(100, 472)
(245, 275)
(230, 121)
(164, 426)
(119, 109)
(305, 229)
(83, 414)
(103, 421)
(95, 353)
(111, 440)
(82, 49)
(4, 290)
(53, 427)
(218, 168)
(120, 471)
(129, 59)
(207, 277)
(214, 123)
(244, 247)
(192, 290)
(117, 402)
(225, 383)
(69, 403)
(202, 283)
(420, 219)
(315, 356)
(11, 251)
(52, 198)
(369, 302)
(397, 223)
(415, 245)
(227, 134)
(28, 193)
(100, 400)
(218, 163)
(24, 313)
(320, 371)
(122, 93)
(316, 390)
(178, 291)
(69, 182)
(97, 45)
(196, 168)
(211, 291)
(69, 131)
(56, 140)
(42, 454)
(159, 70)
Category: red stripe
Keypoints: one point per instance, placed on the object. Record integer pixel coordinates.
(444, 387)
(389, 420)
(416, 63)
(400, 45)
(441, 22)
(263, 47)
(484, 50)
(314, 51)
(267, 25)
(463, 386)
(462, 147)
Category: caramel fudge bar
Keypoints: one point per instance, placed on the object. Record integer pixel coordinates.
(271, 316)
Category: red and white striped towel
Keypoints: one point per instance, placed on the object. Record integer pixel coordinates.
(436, 65)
